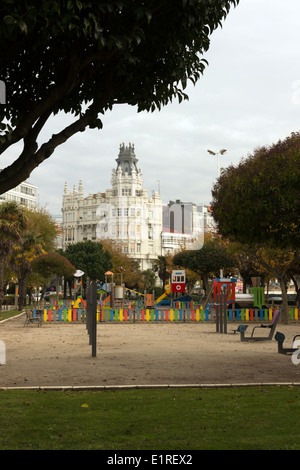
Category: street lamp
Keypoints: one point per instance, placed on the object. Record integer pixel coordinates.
(221, 152)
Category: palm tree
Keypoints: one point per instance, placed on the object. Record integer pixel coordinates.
(38, 238)
(23, 255)
(12, 224)
(161, 267)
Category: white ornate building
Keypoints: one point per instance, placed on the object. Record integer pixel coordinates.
(25, 194)
(124, 213)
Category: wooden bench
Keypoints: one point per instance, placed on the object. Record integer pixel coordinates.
(271, 327)
(34, 317)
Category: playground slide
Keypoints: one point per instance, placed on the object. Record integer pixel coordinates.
(162, 297)
(78, 302)
(106, 301)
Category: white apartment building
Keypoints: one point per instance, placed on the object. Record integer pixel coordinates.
(24, 194)
(124, 213)
(184, 226)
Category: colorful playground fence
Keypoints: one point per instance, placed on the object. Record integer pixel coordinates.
(138, 314)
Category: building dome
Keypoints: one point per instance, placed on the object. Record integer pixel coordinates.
(126, 161)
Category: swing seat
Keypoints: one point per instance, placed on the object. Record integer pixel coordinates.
(240, 329)
(271, 327)
(280, 340)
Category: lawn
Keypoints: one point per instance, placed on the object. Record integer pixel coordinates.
(4, 314)
(245, 418)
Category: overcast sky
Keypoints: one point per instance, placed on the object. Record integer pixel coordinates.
(249, 96)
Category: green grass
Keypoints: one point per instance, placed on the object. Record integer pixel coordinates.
(4, 314)
(255, 418)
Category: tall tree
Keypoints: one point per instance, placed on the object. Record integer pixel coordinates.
(258, 201)
(162, 266)
(83, 57)
(38, 237)
(23, 255)
(12, 224)
(89, 257)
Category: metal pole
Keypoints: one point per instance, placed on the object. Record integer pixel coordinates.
(217, 312)
(221, 313)
(225, 314)
(94, 319)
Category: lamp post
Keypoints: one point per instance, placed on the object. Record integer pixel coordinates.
(221, 152)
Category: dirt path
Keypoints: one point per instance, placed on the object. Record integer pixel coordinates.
(140, 354)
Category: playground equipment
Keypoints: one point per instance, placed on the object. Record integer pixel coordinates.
(271, 326)
(224, 286)
(255, 298)
(106, 301)
(280, 340)
(135, 291)
(33, 317)
(178, 280)
(224, 295)
(168, 290)
(78, 302)
(148, 298)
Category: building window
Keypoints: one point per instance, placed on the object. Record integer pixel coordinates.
(138, 247)
(119, 212)
(126, 212)
(126, 192)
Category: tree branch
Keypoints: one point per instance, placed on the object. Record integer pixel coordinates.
(30, 158)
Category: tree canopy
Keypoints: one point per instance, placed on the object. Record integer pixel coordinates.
(89, 257)
(84, 56)
(51, 264)
(258, 201)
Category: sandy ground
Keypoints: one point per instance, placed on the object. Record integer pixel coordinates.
(140, 354)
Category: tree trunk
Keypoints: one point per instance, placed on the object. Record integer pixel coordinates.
(2, 262)
(206, 288)
(297, 289)
(284, 304)
(22, 291)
